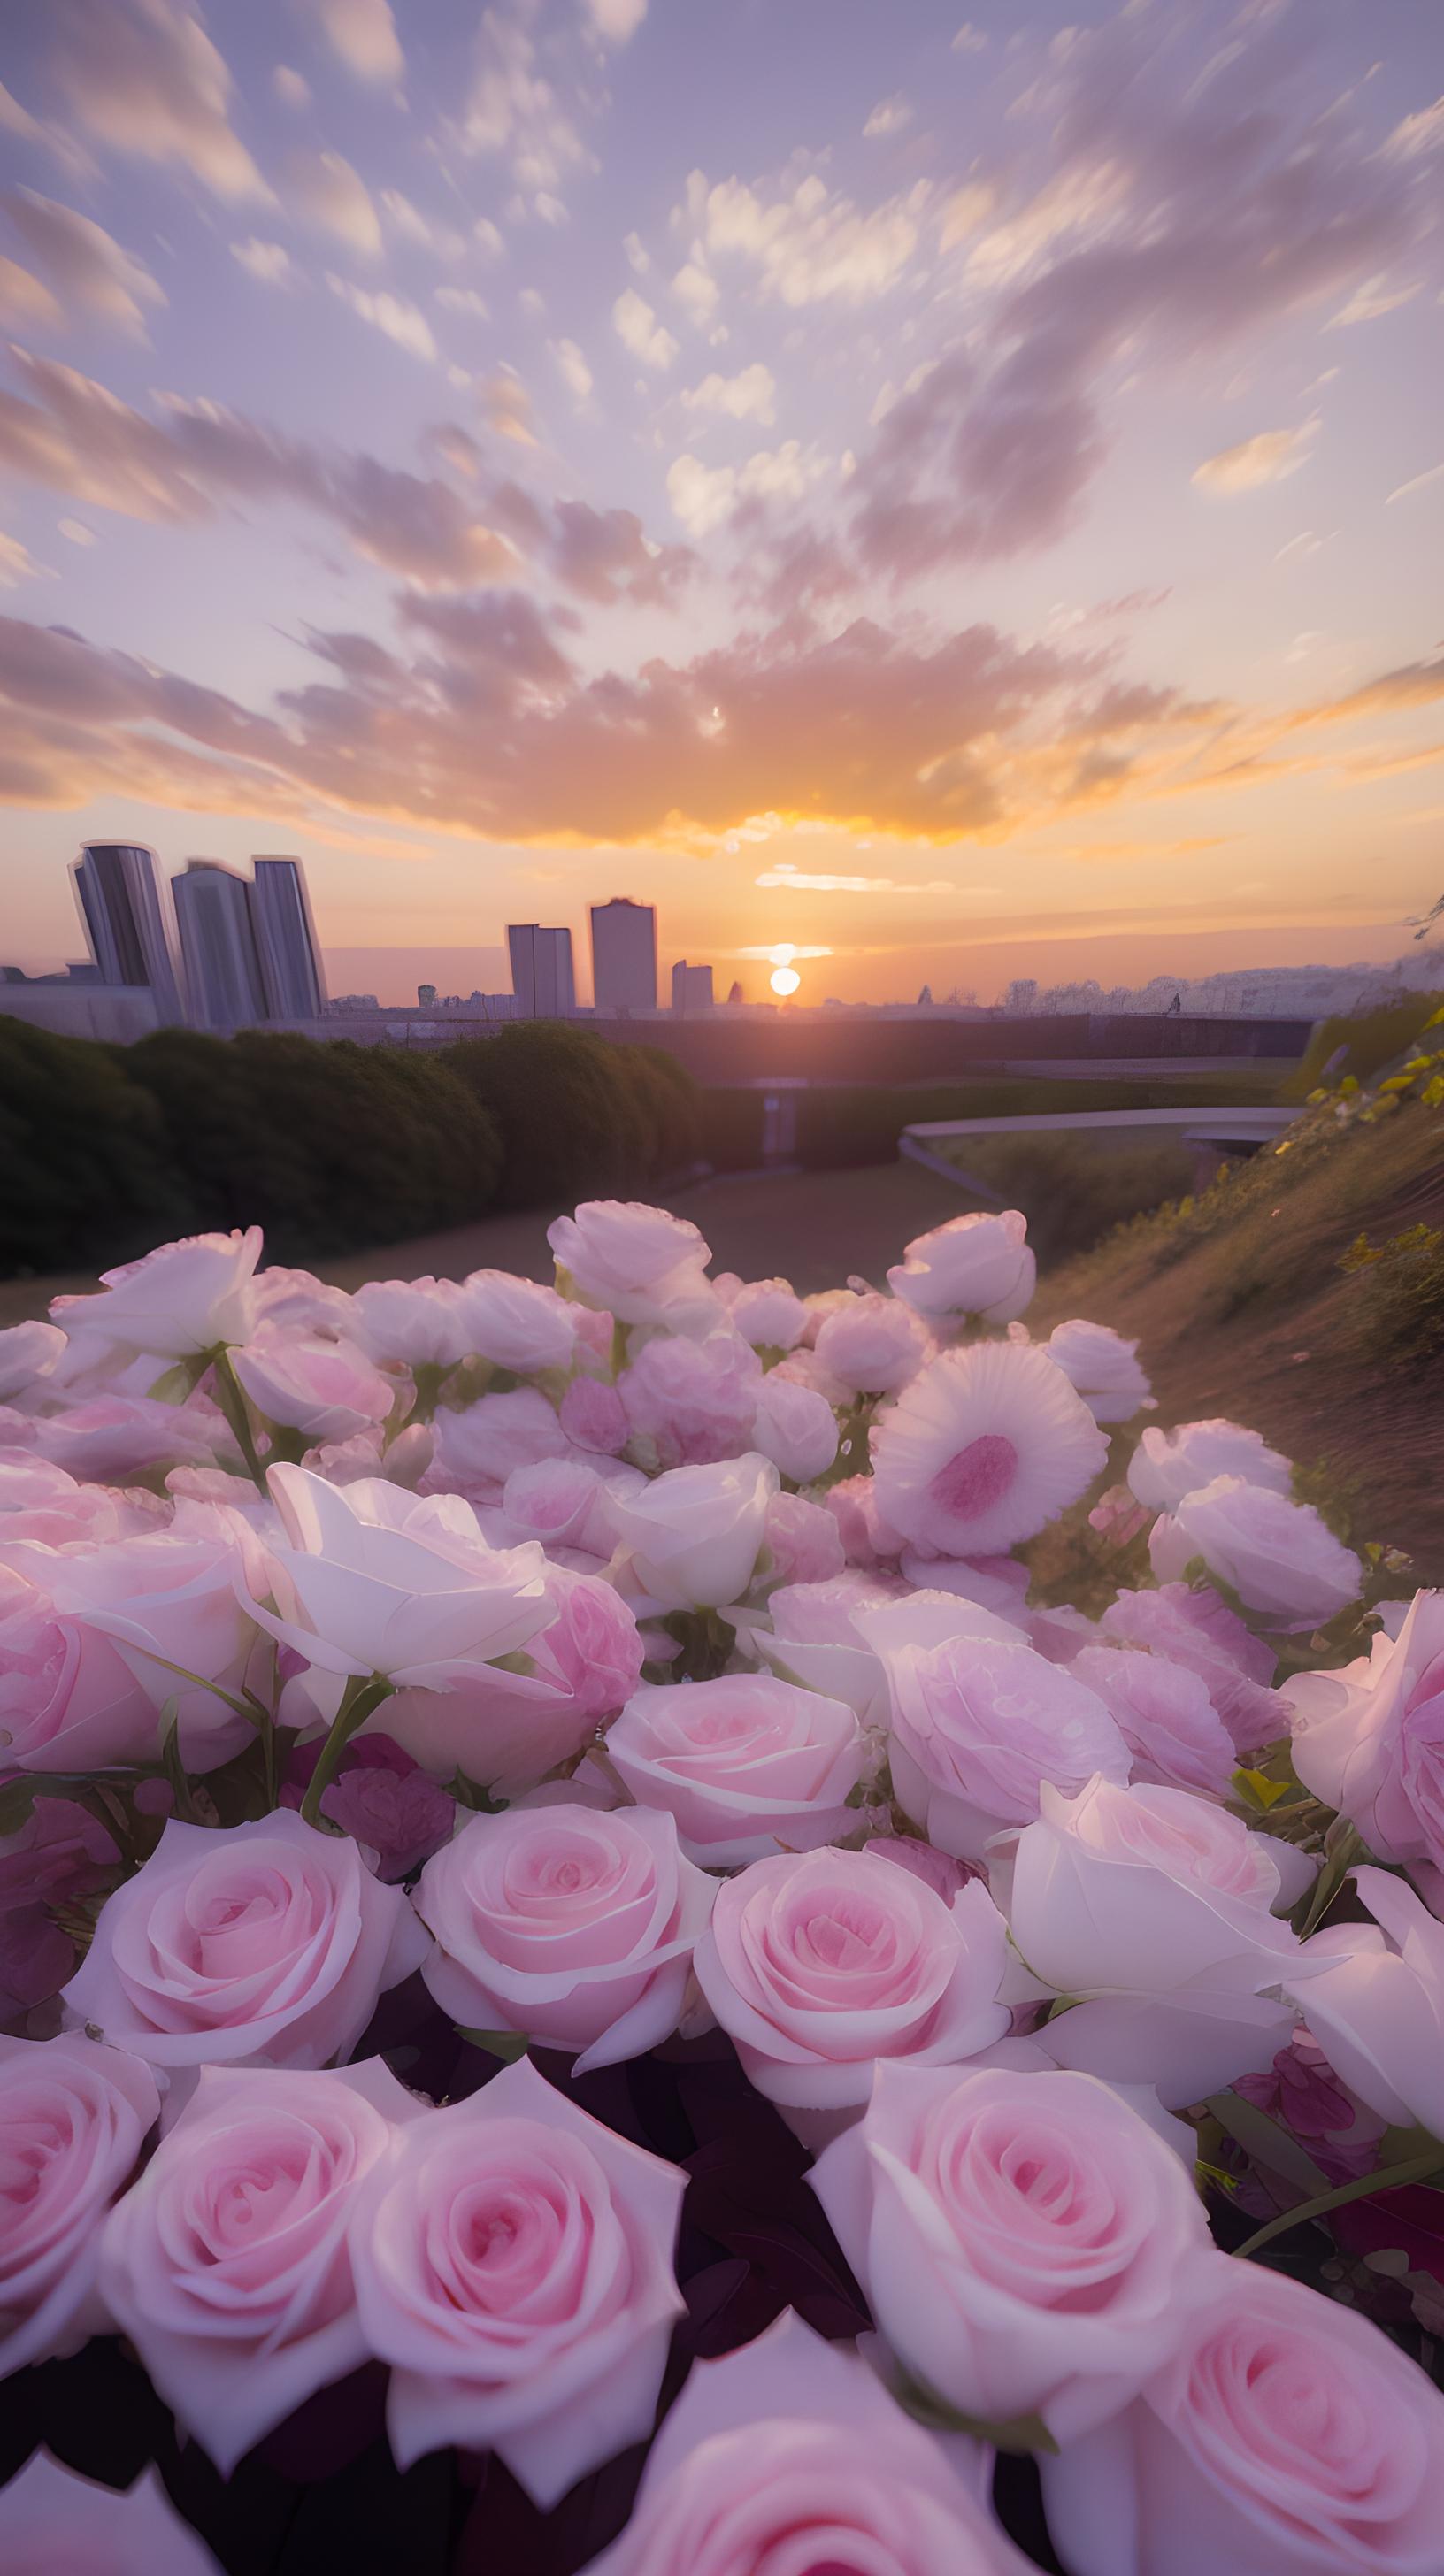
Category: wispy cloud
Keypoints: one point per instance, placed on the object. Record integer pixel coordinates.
(1270, 456)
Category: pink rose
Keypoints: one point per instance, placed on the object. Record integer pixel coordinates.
(329, 1390)
(68, 1700)
(112, 1436)
(802, 1541)
(1026, 2242)
(1166, 1465)
(27, 1351)
(263, 1945)
(572, 1927)
(594, 1417)
(795, 1427)
(516, 1323)
(383, 1799)
(694, 1536)
(60, 2524)
(513, 2264)
(997, 1583)
(228, 2263)
(1103, 1367)
(746, 1764)
(972, 1265)
(1369, 1738)
(1167, 1720)
(420, 1322)
(978, 1725)
(567, 1502)
(59, 1854)
(1198, 1630)
(692, 1402)
(1155, 1907)
(73, 2120)
(820, 1963)
(1279, 1557)
(1284, 2436)
(178, 1302)
(788, 2458)
(1374, 1996)
(873, 1345)
(478, 1449)
(768, 1313)
(868, 1537)
(643, 1265)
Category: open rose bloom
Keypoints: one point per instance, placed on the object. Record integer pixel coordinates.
(604, 1966)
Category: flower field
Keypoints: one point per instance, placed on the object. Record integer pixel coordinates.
(596, 1975)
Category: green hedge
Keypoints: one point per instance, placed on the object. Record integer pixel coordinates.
(331, 1147)
(1371, 1040)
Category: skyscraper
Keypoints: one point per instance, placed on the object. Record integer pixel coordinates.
(214, 908)
(541, 971)
(691, 989)
(123, 909)
(624, 955)
(291, 972)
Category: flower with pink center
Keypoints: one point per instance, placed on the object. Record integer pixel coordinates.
(1283, 2436)
(1166, 1465)
(973, 1265)
(1167, 1720)
(1369, 1738)
(984, 1448)
(514, 2265)
(1198, 1629)
(977, 1725)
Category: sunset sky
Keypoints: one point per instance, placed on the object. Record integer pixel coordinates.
(964, 498)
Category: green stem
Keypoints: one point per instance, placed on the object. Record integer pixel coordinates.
(232, 1402)
(359, 1700)
(1390, 2178)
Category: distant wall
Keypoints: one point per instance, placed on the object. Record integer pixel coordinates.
(119, 1013)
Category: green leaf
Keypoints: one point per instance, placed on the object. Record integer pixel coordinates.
(1020, 2433)
(1389, 2178)
(1262, 2139)
(508, 2045)
(1256, 1789)
(470, 1794)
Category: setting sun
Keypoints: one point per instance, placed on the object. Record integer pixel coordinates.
(784, 980)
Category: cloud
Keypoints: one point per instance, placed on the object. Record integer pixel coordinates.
(144, 77)
(1269, 457)
(26, 305)
(463, 299)
(638, 255)
(404, 323)
(750, 395)
(702, 496)
(693, 287)
(1305, 543)
(1418, 134)
(888, 117)
(1418, 483)
(795, 881)
(331, 194)
(576, 375)
(76, 531)
(290, 88)
(88, 268)
(969, 40)
(606, 556)
(809, 245)
(506, 408)
(413, 226)
(639, 330)
(1371, 301)
(363, 34)
(270, 263)
(513, 109)
(617, 20)
(17, 564)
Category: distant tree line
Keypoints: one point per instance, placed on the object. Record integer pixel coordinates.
(332, 1147)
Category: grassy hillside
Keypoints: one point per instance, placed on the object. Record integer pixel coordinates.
(1304, 1294)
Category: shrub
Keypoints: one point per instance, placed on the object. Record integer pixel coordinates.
(83, 1151)
(1400, 1294)
(1073, 1191)
(1371, 1039)
(578, 1116)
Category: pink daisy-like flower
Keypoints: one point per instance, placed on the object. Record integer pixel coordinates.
(985, 1447)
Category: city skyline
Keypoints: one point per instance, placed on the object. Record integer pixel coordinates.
(950, 496)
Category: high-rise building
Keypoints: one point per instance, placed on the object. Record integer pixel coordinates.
(541, 971)
(624, 955)
(214, 910)
(291, 972)
(123, 909)
(691, 989)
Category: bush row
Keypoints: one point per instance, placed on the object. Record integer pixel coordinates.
(332, 1147)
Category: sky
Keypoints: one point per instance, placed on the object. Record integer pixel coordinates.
(961, 498)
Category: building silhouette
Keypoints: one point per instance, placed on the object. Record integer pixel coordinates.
(624, 955)
(123, 908)
(215, 915)
(292, 977)
(691, 988)
(541, 971)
